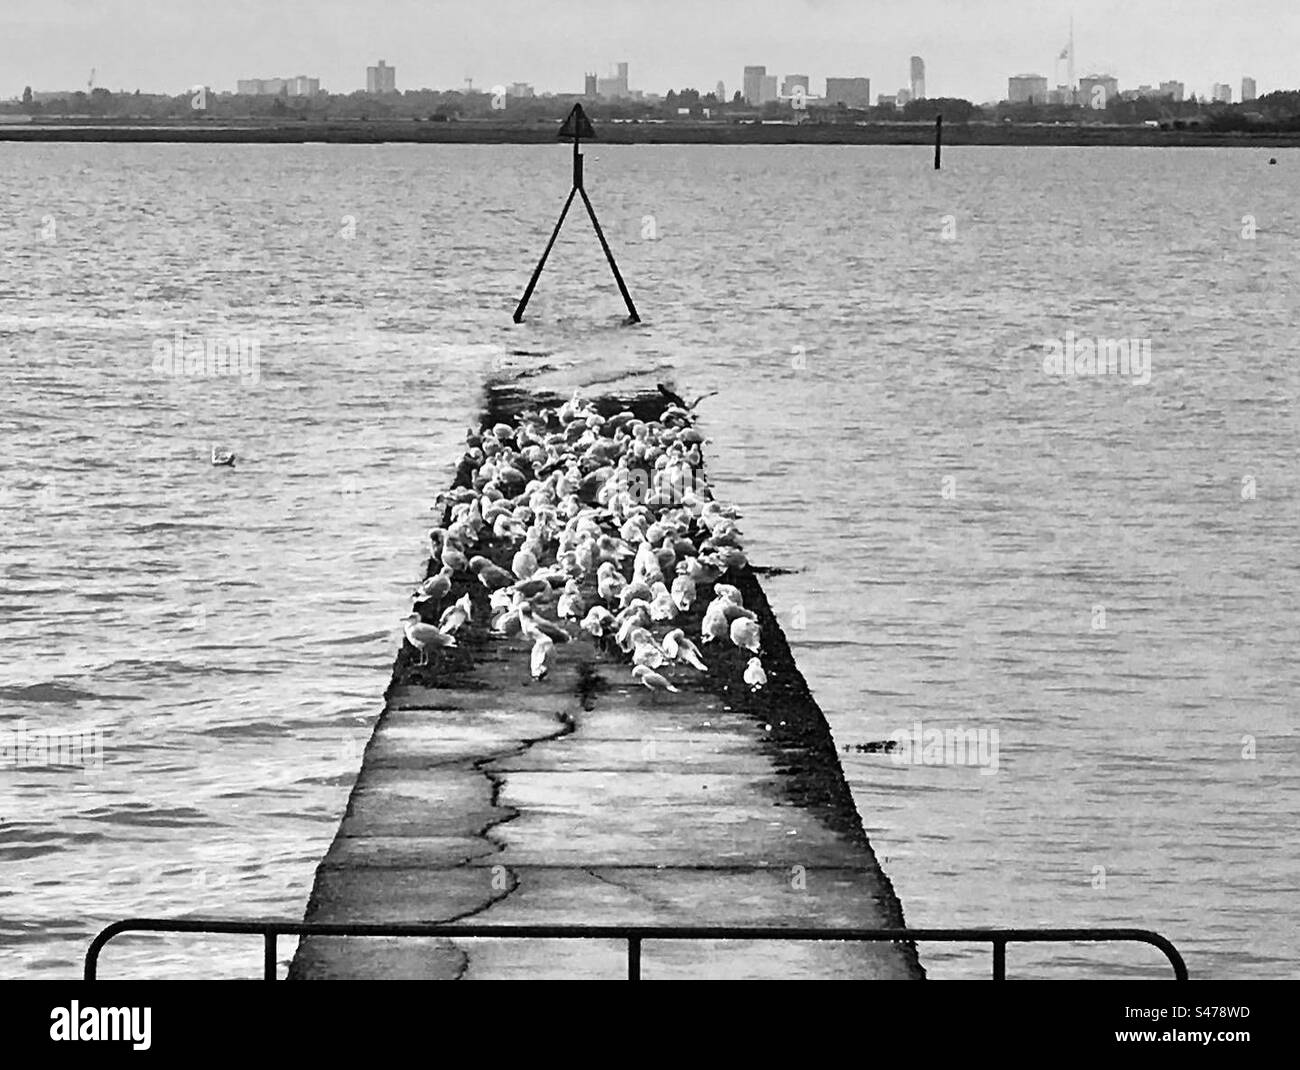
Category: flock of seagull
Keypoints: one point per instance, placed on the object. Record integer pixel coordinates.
(615, 533)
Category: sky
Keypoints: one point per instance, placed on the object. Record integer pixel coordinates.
(970, 46)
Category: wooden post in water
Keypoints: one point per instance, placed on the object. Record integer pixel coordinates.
(577, 126)
(938, 140)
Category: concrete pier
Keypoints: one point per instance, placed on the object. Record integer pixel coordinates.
(586, 799)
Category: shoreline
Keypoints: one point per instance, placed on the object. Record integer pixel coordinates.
(365, 132)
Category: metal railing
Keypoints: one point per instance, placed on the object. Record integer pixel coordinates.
(635, 935)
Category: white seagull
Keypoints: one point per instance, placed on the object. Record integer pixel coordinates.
(425, 637)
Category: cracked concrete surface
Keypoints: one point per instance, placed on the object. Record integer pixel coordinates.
(511, 803)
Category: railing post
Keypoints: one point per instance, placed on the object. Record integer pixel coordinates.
(268, 957)
(634, 958)
(999, 958)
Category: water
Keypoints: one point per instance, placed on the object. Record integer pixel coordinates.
(953, 517)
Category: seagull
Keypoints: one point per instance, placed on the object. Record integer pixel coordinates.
(425, 637)
(532, 588)
(539, 660)
(714, 626)
(754, 674)
(436, 586)
(524, 564)
(597, 621)
(454, 559)
(744, 633)
(679, 648)
(570, 605)
(609, 584)
(223, 458)
(683, 593)
(491, 576)
(532, 626)
(728, 593)
(455, 616)
(662, 607)
(647, 654)
(652, 681)
(637, 589)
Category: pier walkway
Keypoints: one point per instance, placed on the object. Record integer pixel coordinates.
(585, 798)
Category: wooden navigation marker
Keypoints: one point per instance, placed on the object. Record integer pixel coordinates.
(938, 140)
(577, 126)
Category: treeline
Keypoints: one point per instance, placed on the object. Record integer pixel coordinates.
(1279, 111)
(440, 106)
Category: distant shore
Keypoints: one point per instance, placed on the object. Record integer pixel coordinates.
(353, 131)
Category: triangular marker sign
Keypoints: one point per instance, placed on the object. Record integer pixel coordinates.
(577, 125)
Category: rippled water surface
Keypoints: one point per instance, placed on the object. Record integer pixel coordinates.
(1104, 573)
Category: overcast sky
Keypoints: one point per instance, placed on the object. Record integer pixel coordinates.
(970, 46)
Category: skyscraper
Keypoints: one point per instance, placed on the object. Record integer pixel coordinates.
(589, 87)
(918, 78)
(1222, 93)
(753, 85)
(381, 79)
(721, 92)
(1248, 92)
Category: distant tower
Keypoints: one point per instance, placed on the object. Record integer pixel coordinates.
(1248, 90)
(381, 79)
(918, 78)
(1069, 70)
(720, 92)
(753, 91)
(589, 89)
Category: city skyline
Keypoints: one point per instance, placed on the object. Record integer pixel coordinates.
(156, 49)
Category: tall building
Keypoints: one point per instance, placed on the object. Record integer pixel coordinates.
(768, 91)
(1173, 89)
(1027, 89)
(753, 85)
(918, 78)
(851, 92)
(720, 91)
(614, 88)
(904, 97)
(1097, 90)
(1248, 92)
(520, 90)
(381, 79)
(302, 86)
(1222, 93)
(589, 87)
(792, 80)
